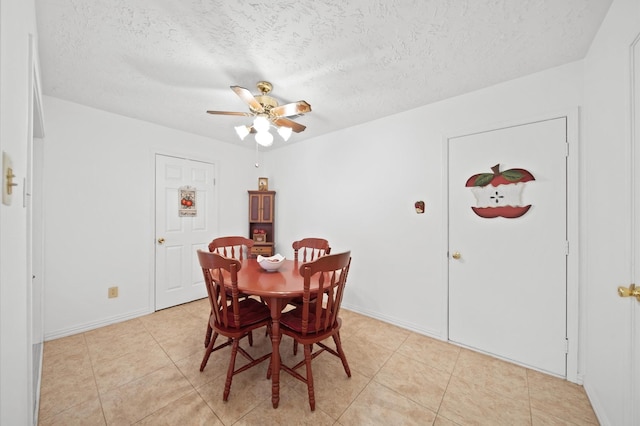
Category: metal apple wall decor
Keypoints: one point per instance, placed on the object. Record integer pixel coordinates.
(187, 196)
(499, 194)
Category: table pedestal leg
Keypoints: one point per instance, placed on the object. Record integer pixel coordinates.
(276, 306)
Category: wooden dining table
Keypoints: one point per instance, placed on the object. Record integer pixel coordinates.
(276, 288)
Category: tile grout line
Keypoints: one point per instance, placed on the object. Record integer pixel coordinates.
(395, 351)
(192, 385)
(95, 380)
(447, 387)
(180, 371)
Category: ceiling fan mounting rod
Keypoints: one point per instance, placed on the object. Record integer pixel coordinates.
(264, 87)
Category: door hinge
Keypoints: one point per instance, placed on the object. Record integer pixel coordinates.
(566, 153)
(566, 346)
(566, 248)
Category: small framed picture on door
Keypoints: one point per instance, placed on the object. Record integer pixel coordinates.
(263, 184)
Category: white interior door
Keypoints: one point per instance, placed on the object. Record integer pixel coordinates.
(182, 229)
(508, 286)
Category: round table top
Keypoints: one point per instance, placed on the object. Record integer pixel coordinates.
(286, 282)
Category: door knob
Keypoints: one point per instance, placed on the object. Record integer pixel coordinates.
(456, 255)
(160, 240)
(630, 291)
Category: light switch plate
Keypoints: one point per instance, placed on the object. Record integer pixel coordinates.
(7, 168)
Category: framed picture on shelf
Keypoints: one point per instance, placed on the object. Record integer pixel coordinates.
(263, 184)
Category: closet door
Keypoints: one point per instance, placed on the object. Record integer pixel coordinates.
(507, 261)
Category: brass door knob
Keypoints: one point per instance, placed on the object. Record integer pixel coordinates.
(630, 291)
(160, 240)
(456, 255)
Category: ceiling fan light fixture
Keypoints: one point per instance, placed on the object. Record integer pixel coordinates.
(285, 132)
(261, 123)
(242, 131)
(264, 138)
(267, 112)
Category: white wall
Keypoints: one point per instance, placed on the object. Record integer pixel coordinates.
(17, 21)
(607, 205)
(357, 188)
(99, 186)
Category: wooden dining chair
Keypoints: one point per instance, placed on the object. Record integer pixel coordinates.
(317, 320)
(308, 249)
(236, 247)
(230, 317)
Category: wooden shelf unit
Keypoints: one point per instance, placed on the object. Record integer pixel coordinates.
(261, 217)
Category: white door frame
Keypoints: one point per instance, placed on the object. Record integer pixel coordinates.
(32, 201)
(574, 271)
(634, 397)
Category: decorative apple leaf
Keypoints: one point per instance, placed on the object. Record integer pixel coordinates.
(512, 175)
(483, 179)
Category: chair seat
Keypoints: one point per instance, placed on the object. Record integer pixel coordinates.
(251, 312)
(293, 320)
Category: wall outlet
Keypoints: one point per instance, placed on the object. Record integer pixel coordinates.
(113, 292)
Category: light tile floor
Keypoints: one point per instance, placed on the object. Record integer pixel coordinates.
(146, 371)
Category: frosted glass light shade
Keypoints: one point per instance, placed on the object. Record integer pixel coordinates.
(285, 132)
(261, 124)
(264, 138)
(242, 131)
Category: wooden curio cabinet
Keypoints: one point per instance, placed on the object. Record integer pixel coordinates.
(261, 222)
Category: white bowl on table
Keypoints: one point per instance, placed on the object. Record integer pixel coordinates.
(271, 263)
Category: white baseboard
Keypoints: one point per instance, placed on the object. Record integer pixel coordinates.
(93, 325)
(596, 405)
(436, 334)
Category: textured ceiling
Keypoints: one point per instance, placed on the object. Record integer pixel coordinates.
(168, 61)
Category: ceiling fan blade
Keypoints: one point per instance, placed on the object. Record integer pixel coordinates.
(243, 114)
(294, 108)
(296, 127)
(246, 96)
